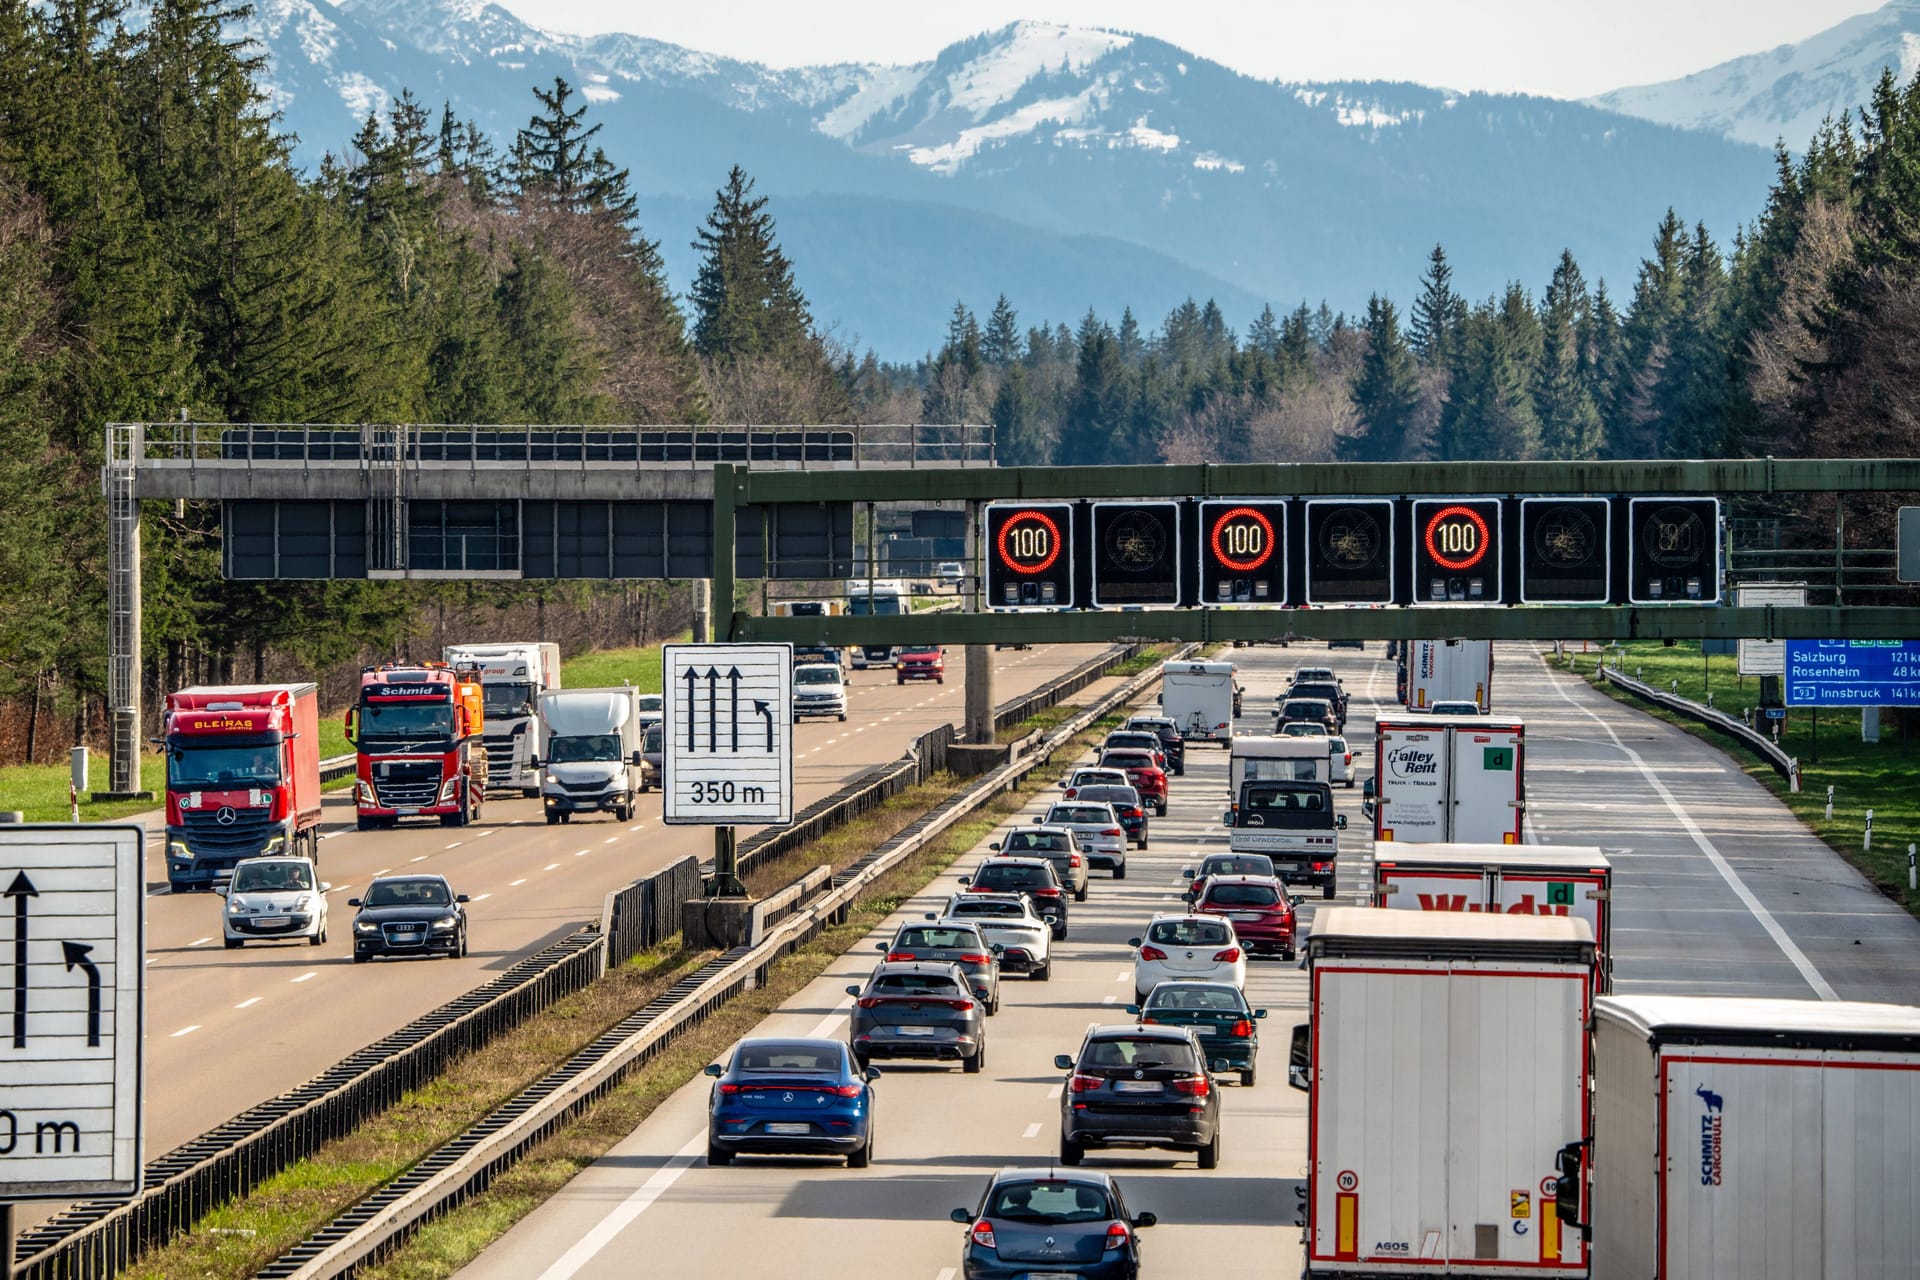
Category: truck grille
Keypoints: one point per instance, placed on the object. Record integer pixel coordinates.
(406, 784)
(500, 757)
(590, 788)
(246, 834)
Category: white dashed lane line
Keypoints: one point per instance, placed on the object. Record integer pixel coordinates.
(421, 858)
(481, 897)
(455, 845)
(551, 866)
(311, 973)
(1032, 1131)
(248, 1002)
(185, 1031)
(516, 884)
(200, 942)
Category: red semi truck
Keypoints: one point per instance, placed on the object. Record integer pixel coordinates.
(243, 778)
(416, 729)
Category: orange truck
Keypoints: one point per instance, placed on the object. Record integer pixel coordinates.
(416, 728)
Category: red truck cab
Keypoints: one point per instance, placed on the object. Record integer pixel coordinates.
(928, 663)
(243, 778)
(416, 729)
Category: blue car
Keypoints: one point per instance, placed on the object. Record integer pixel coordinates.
(1051, 1222)
(791, 1097)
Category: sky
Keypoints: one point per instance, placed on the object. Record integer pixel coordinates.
(1559, 48)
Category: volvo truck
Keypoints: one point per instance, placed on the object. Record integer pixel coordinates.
(512, 678)
(417, 730)
(243, 778)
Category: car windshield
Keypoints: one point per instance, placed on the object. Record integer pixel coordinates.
(408, 893)
(584, 747)
(1317, 689)
(506, 700)
(1144, 741)
(816, 675)
(652, 702)
(1049, 1202)
(1019, 877)
(224, 767)
(1083, 815)
(1188, 933)
(405, 721)
(937, 936)
(1038, 842)
(1271, 802)
(272, 877)
(1238, 864)
(787, 1057)
(651, 745)
(1242, 895)
(1171, 995)
(915, 984)
(1139, 1053)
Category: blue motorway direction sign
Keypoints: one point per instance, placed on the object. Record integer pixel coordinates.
(1853, 673)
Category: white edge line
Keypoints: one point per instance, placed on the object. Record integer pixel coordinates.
(609, 1228)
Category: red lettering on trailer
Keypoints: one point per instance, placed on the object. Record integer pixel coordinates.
(1445, 902)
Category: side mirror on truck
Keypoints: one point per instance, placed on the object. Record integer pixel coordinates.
(1569, 1187)
(352, 716)
(1300, 1057)
(636, 758)
(1339, 822)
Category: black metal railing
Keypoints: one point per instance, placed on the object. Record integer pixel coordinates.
(647, 912)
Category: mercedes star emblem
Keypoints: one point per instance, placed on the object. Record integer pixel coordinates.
(787, 1098)
(226, 817)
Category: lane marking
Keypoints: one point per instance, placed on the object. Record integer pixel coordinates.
(832, 1020)
(455, 845)
(1033, 1131)
(199, 942)
(481, 897)
(382, 871)
(608, 840)
(551, 866)
(1779, 935)
(636, 826)
(478, 835)
(250, 1000)
(1123, 975)
(946, 1273)
(313, 973)
(185, 1031)
(1054, 1093)
(1109, 999)
(609, 1228)
(516, 884)
(421, 858)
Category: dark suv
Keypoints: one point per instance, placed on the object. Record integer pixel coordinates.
(1326, 691)
(1171, 742)
(1138, 1086)
(1127, 806)
(1034, 877)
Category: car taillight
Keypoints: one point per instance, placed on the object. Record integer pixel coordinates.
(1113, 831)
(1241, 1028)
(1192, 1086)
(964, 1006)
(1152, 953)
(1071, 792)
(1323, 866)
(1083, 1084)
(729, 1088)
(901, 955)
(870, 1002)
(972, 957)
(983, 1234)
(1073, 859)
(1349, 757)
(844, 1090)
(1118, 1235)
(1045, 893)
(1229, 955)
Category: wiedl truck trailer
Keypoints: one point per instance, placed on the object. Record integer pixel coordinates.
(1446, 1067)
(1449, 780)
(1449, 671)
(1751, 1139)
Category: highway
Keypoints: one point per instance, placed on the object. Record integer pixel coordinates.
(228, 1029)
(1719, 891)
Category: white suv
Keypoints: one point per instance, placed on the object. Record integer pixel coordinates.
(1187, 948)
(274, 898)
(819, 689)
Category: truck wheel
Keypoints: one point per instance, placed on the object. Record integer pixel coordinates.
(566, 818)
(1326, 890)
(363, 824)
(553, 819)
(234, 944)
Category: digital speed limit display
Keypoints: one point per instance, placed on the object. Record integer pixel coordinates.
(1673, 554)
(1565, 550)
(1349, 551)
(1243, 552)
(1456, 551)
(1030, 555)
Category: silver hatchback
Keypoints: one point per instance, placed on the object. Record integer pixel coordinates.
(1058, 845)
(1098, 829)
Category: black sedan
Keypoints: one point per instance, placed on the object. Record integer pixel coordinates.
(409, 916)
(918, 1011)
(1051, 1222)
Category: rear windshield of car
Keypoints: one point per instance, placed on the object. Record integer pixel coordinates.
(1038, 842)
(788, 1057)
(407, 893)
(1317, 689)
(1139, 1053)
(916, 984)
(1242, 895)
(1170, 995)
(1085, 815)
(1128, 760)
(1049, 1202)
(936, 936)
(1024, 877)
(1238, 864)
(988, 909)
(1113, 795)
(1305, 708)
(1144, 741)
(1095, 777)
(1188, 933)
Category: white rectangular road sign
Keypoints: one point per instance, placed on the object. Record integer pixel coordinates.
(727, 749)
(70, 1053)
(1766, 657)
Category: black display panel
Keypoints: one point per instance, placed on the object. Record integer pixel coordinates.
(1243, 552)
(1673, 550)
(1349, 551)
(1030, 555)
(1565, 551)
(1456, 551)
(1136, 553)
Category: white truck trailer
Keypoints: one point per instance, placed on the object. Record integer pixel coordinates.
(1449, 780)
(1450, 671)
(1504, 879)
(1198, 696)
(1752, 1139)
(1259, 757)
(513, 675)
(1446, 1067)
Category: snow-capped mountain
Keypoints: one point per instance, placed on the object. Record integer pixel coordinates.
(1066, 166)
(1785, 93)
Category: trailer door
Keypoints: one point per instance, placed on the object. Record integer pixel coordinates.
(1485, 786)
(1412, 784)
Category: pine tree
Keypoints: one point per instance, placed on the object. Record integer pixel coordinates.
(1021, 438)
(1386, 396)
(1570, 427)
(1489, 414)
(1436, 313)
(1694, 391)
(745, 301)
(1132, 345)
(1000, 345)
(1264, 333)
(1635, 428)
(1097, 422)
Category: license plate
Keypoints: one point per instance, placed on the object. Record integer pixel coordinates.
(915, 1031)
(1243, 915)
(271, 922)
(406, 812)
(1051, 1275)
(1136, 1086)
(784, 1129)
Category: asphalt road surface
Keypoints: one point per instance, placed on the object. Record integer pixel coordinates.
(1718, 891)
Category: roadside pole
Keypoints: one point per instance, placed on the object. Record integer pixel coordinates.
(979, 657)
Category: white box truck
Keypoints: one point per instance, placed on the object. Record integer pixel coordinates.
(1752, 1139)
(1442, 779)
(1504, 879)
(1198, 696)
(1450, 671)
(1258, 757)
(1445, 1063)
(595, 761)
(512, 678)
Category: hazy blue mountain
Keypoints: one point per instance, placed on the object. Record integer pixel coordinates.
(1784, 93)
(1067, 167)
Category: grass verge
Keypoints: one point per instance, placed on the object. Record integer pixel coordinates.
(1877, 776)
(608, 668)
(236, 1240)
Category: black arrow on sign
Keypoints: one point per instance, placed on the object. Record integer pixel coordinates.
(733, 678)
(767, 711)
(713, 708)
(691, 676)
(76, 954)
(20, 890)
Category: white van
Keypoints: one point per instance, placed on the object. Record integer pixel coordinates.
(595, 744)
(1198, 696)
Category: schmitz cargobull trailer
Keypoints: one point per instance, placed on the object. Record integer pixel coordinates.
(1446, 1068)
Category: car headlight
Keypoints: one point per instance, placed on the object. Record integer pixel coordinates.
(365, 926)
(175, 849)
(446, 922)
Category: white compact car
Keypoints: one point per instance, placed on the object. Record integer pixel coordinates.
(1193, 948)
(1340, 757)
(1007, 921)
(819, 689)
(274, 898)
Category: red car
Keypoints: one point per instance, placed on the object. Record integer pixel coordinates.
(1143, 775)
(921, 664)
(1259, 907)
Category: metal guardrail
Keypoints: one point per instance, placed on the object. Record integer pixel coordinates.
(335, 767)
(1785, 765)
(466, 1166)
(647, 912)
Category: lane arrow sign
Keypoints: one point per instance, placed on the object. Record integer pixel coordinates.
(713, 709)
(20, 890)
(691, 678)
(76, 954)
(733, 678)
(766, 710)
